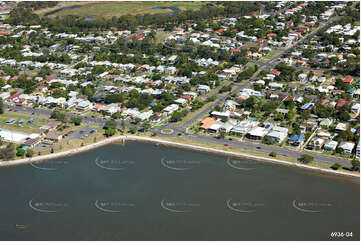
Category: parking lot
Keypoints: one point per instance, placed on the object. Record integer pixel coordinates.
(81, 133)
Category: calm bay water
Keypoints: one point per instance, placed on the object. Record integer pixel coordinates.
(148, 192)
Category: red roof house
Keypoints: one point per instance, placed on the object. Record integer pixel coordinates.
(275, 72)
(219, 31)
(234, 50)
(348, 79)
(14, 96)
(139, 36)
(341, 103)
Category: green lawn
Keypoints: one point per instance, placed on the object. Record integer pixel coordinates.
(111, 9)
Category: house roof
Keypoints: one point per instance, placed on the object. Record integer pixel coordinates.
(53, 135)
(341, 103)
(207, 123)
(348, 79)
(297, 137)
(275, 72)
(32, 141)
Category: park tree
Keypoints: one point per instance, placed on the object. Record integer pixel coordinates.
(273, 154)
(305, 159)
(58, 116)
(29, 153)
(110, 124)
(76, 120)
(355, 164)
(1, 106)
(8, 152)
(336, 166)
(109, 132)
(176, 116)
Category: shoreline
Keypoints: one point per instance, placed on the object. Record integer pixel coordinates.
(197, 148)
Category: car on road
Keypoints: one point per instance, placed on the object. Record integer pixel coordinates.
(225, 145)
(258, 147)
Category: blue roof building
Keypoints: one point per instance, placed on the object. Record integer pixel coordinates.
(296, 139)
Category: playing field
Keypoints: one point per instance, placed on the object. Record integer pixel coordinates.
(116, 9)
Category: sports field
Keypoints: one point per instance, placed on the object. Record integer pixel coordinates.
(116, 9)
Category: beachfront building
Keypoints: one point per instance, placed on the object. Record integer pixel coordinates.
(278, 134)
(256, 133)
(347, 147)
(330, 145)
(243, 127)
(296, 139)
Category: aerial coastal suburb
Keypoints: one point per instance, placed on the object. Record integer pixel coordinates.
(117, 112)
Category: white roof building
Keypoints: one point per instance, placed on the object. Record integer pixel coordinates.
(347, 147)
(330, 145)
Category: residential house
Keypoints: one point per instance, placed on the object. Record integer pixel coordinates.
(316, 143)
(84, 105)
(256, 133)
(203, 88)
(296, 139)
(170, 109)
(243, 127)
(330, 145)
(347, 147)
(278, 134)
(207, 123)
(340, 127)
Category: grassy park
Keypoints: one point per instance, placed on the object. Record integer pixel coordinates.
(116, 9)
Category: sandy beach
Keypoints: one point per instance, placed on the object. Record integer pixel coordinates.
(122, 139)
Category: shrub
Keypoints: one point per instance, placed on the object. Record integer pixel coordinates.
(305, 159)
(268, 140)
(29, 153)
(355, 164)
(76, 120)
(336, 166)
(20, 152)
(273, 154)
(109, 132)
(111, 124)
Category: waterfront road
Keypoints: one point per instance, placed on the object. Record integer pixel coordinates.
(259, 147)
